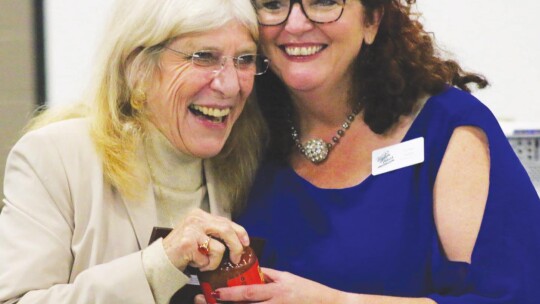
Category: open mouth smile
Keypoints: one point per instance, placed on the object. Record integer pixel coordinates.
(302, 50)
(215, 115)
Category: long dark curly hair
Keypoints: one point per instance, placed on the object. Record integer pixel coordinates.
(390, 76)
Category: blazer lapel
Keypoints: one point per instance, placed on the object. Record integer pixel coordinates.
(142, 214)
(217, 199)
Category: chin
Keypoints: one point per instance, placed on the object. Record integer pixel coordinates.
(302, 81)
(301, 84)
(206, 152)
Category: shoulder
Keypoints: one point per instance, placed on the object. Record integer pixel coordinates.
(71, 133)
(454, 102)
(464, 114)
(453, 108)
(59, 130)
(64, 143)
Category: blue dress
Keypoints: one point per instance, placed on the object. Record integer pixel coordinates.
(379, 237)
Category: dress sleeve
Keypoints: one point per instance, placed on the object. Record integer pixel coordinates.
(505, 264)
(36, 228)
(504, 269)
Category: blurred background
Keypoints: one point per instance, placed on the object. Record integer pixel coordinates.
(47, 49)
(20, 65)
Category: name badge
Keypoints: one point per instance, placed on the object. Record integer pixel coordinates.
(397, 156)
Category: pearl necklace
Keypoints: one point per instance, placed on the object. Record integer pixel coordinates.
(317, 150)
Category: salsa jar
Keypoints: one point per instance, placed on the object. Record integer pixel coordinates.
(228, 274)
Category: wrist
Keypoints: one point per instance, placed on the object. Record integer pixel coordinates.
(172, 255)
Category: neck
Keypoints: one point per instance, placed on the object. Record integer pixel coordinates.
(324, 105)
(317, 113)
(169, 167)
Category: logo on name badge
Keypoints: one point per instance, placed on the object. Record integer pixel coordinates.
(385, 159)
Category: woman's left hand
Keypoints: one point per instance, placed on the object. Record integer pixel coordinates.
(281, 287)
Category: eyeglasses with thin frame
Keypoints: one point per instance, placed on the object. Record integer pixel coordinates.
(214, 61)
(276, 12)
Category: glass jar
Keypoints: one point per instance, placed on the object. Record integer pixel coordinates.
(246, 272)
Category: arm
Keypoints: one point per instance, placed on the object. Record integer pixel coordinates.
(461, 191)
(36, 228)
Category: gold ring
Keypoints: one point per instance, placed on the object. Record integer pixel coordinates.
(204, 248)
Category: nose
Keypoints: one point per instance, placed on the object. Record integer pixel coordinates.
(297, 22)
(226, 80)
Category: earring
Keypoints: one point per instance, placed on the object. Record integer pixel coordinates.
(138, 98)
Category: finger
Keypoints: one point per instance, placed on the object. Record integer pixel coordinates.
(199, 299)
(271, 274)
(181, 245)
(233, 235)
(201, 251)
(204, 247)
(246, 293)
(223, 229)
(215, 255)
(241, 233)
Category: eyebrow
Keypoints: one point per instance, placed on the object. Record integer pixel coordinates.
(240, 51)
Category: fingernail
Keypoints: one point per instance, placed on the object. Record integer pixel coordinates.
(245, 241)
(215, 294)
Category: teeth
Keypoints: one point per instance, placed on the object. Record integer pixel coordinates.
(214, 112)
(303, 51)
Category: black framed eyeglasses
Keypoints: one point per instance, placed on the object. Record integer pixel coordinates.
(214, 61)
(276, 12)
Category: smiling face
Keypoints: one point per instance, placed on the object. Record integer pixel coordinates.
(194, 107)
(308, 56)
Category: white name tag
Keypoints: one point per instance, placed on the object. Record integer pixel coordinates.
(397, 156)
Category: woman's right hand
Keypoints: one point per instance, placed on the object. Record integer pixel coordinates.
(281, 287)
(182, 245)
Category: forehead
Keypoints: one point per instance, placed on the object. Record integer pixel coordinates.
(232, 34)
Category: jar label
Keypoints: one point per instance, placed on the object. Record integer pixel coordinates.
(251, 276)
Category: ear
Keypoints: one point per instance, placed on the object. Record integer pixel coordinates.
(372, 26)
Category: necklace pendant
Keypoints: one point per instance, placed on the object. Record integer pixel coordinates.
(316, 150)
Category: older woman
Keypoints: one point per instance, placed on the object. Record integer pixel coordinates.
(387, 182)
(150, 147)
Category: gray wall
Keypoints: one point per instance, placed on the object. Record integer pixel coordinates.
(17, 85)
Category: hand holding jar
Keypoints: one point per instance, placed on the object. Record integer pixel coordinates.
(194, 241)
(228, 274)
(280, 287)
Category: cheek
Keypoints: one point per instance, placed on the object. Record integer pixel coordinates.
(246, 89)
(182, 88)
(175, 79)
(268, 35)
(247, 86)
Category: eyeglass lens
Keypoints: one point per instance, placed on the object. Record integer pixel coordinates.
(253, 64)
(274, 12)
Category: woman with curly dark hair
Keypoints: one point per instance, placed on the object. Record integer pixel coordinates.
(385, 180)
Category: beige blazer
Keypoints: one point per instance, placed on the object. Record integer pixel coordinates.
(66, 235)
